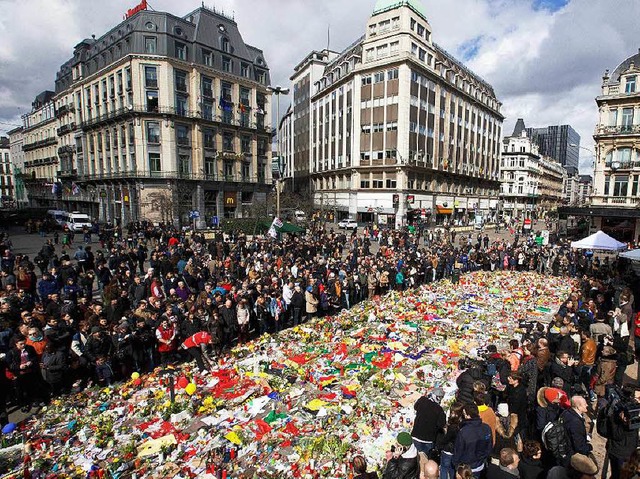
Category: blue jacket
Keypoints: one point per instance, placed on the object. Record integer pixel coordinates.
(473, 444)
(47, 287)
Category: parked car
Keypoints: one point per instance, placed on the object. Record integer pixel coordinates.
(348, 224)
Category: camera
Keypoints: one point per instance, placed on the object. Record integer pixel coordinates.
(622, 401)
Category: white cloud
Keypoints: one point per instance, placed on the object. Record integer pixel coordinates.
(545, 64)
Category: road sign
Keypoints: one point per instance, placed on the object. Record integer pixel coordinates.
(527, 224)
(215, 221)
(195, 214)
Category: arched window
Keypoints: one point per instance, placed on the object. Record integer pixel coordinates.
(625, 156)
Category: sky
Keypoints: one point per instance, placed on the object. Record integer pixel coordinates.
(544, 58)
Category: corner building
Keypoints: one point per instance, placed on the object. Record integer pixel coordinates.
(402, 131)
(164, 115)
(615, 194)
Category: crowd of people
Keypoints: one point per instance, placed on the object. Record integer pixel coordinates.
(529, 410)
(71, 317)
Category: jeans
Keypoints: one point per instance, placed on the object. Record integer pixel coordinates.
(446, 466)
(423, 446)
(296, 316)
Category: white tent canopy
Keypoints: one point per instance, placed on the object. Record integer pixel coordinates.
(633, 255)
(600, 241)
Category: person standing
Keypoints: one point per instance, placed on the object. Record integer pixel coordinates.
(574, 423)
(166, 336)
(473, 444)
(297, 304)
(621, 440)
(429, 422)
(311, 303)
(402, 460)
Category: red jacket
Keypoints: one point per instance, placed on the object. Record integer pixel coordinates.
(196, 340)
(168, 334)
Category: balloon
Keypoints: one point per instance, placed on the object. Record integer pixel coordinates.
(190, 389)
(183, 382)
(135, 376)
(137, 382)
(9, 428)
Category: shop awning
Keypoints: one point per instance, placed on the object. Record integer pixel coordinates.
(441, 210)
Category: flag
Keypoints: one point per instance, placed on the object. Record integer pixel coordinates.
(225, 105)
(272, 232)
(75, 189)
(259, 111)
(242, 108)
(55, 188)
(277, 222)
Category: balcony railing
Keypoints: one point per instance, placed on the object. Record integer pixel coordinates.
(617, 200)
(64, 129)
(173, 111)
(617, 130)
(66, 150)
(623, 165)
(68, 173)
(64, 109)
(40, 144)
(51, 160)
(174, 175)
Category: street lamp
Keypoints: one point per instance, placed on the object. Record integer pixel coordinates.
(278, 90)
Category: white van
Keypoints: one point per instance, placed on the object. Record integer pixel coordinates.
(59, 216)
(78, 221)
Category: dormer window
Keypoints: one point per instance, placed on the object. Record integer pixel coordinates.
(226, 46)
(630, 86)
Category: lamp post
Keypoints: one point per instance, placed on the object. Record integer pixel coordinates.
(278, 90)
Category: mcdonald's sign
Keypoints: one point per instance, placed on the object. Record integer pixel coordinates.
(230, 198)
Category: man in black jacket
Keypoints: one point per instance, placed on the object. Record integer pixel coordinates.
(402, 461)
(621, 441)
(298, 303)
(429, 422)
(229, 321)
(575, 426)
(473, 444)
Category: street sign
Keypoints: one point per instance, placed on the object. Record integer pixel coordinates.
(215, 221)
(527, 224)
(194, 215)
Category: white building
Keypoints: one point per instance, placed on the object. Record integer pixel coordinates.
(398, 128)
(615, 201)
(531, 185)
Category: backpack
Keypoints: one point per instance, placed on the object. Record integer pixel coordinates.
(555, 440)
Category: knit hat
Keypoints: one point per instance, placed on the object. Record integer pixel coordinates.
(437, 394)
(554, 395)
(404, 439)
(584, 464)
